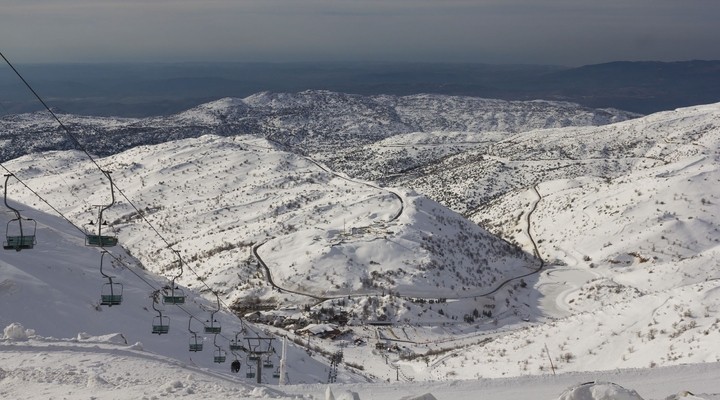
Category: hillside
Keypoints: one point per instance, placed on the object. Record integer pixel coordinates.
(467, 170)
(54, 291)
(235, 205)
(304, 121)
(597, 245)
(632, 239)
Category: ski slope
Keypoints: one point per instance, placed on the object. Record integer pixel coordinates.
(95, 367)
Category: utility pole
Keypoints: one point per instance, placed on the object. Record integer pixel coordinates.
(550, 359)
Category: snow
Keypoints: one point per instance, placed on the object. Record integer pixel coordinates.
(628, 291)
(17, 332)
(599, 391)
(43, 368)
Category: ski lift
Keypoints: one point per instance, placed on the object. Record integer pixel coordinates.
(17, 238)
(219, 353)
(173, 294)
(160, 325)
(235, 365)
(235, 344)
(219, 356)
(111, 294)
(214, 326)
(276, 373)
(101, 240)
(267, 363)
(196, 343)
(250, 372)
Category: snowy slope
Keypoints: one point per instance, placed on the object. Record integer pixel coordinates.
(633, 255)
(54, 289)
(252, 220)
(624, 216)
(465, 171)
(46, 368)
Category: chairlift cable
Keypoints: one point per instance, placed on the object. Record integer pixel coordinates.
(42, 199)
(122, 193)
(154, 286)
(92, 159)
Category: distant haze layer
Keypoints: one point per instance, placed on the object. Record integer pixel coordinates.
(140, 90)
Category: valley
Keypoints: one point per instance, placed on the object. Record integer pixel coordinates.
(462, 249)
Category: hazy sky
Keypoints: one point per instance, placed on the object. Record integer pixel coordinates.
(567, 32)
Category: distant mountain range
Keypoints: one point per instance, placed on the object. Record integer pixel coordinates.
(305, 121)
(142, 90)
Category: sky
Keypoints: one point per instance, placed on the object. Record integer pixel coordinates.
(558, 32)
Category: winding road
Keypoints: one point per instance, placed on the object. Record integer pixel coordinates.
(321, 299)
(535, 250)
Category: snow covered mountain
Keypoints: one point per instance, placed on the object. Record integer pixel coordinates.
(253, 221)
(305, 121)
(595, 247)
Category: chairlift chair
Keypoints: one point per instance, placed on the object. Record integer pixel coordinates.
(100, 240)
(267, 363)
(235, 344)
(17, 238)
(161, 324)
(21, 241)
(196, 342)
(276, 373)
(111, 294)
(214, 329)
(173, 294)
(214, 326)
(220, 355)
(250, 372)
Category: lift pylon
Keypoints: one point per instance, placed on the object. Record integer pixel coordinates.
(257, 348)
